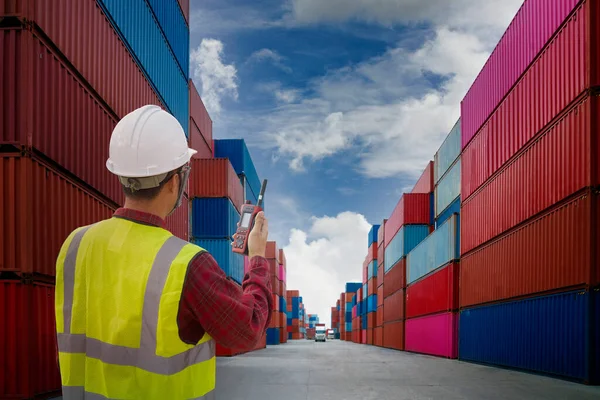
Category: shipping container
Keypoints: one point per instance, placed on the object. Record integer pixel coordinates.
(380, 315)
(137, 27)
(555, 165)
(273, 336)
(551, 252)
(433, 294)
(438, 249)
(372, 253)
(434, 334)
(393, 307)
(548, 334)
(407, 238)
(412, 209)
(231, 263)
(272, 251)
(372, 237)
(198, 143)
(238, 154)
(372, 270)
(351, 288)
(282, 259)
(215, 178)
(178, 223)
(448, 189)
(185, 9)
(381, 234)
(448, 153)
(393, 335)
(395, 278)
(175, 30)
(380, 296)
(37, 205)
(200, 115)
(453, 208)
(533, 26)
(536, 100)
(214, 218)
(371, 304)
(28, 358)
(378, 336)
(372, 286)
(424, 184)
(39, 93)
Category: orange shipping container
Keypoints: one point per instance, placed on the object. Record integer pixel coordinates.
(378, 336)
(379, 296)
(393, 335)
(393, 307)
(395, 278)
(372, 286)
(379, 316)
(272, 252)
(371, 320)
(370, 336)
(293, 293)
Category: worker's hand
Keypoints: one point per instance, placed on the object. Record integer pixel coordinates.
(257, 240)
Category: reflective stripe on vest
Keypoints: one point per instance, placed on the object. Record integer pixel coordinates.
(145, 356)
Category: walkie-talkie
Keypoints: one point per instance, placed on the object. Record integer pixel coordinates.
(249, 211)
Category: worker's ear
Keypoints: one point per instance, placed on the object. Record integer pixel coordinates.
(173, 184)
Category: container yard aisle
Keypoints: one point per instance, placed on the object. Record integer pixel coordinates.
(338, 370)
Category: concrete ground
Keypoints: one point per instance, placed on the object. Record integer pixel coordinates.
(336, 370)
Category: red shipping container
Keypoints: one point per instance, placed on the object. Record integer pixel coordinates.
(215, 178)
(537, 99)
(433, 294)
(372, 254)
(198, 143)
(28, 358)
(372, 287)
(425, 183)
(275, 303)
(554, 251)
(274, 284)
(185, 9)
(393, 307)
(555, 165)
(283, 336)
(371, 320)
(393, 335)
(395, 278)
(378, 336)
(272, 252)
(370, 336)
(179, 222)
(380, 296)
(294, 293)
(363, 336)
(37, 214)
(381, 235)
(200, 115)
(528, 33)
(273, 267)
(379, 316)
(365, 272)
(40, 94)
(411, 209)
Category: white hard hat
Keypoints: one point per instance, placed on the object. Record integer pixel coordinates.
(147, 142)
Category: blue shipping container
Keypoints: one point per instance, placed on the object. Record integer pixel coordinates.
(134, 20)
(214, 218)
(348, 316)
(175, 29)
(239, 156)
(448, 189)
(282, 303)
(548, 334)
(372, 303)
(289, 319)
(272, 336)
(454, 208)
(231, 263)
(352, 287)
(365, 291)
(407, 238)
(348, 326)
(434, 252)
(364, 321)
(448, 153)
(373, 235)
(249, 194)
(372, 269)
(289, 335)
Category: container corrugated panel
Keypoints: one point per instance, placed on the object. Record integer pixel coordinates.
(272, 252)
(380, 296)
(393, 335)
(372, 269)
(378, 336)
(214, 218)
(438, 249)
(407, 238)
(448, 153)
(372, 286)
(37, 206)
(548, 334)
(434, 334)
(200, 115)
(215, 178)
(395, 278)
(135, 22)
(425, 183)
(393, 307)
(381, 233)
(534, 102)
(238, 154)
(198, 143)
(179, 222)
(413, 209)
(453, 208)
(556, 164)
(551, 252)
(273, 336)
(372, 303)
(175, 30)
(39, 93)
(352, 287)
(185, 9)
(231, 263)
(379, 316)
(372, 252)
(527, 35)
(448, 189)
(372, 237)
(433, 294)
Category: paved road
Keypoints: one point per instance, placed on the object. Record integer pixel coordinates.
(301, 370)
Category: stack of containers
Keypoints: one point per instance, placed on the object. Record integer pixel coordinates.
(371, 289)
(201, 137)
(295, 315)
(283, 334)
(431, 325)
(335, 319)
(278, 315)
(363, 314)
(313, 320)
(58, 109)
(346, 310)
(408, 225)
(237, 152)
(378, 331)
(529, 269)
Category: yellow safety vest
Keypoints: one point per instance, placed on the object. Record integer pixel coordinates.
(118, 286)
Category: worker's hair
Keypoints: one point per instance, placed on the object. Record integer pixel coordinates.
(150, 193)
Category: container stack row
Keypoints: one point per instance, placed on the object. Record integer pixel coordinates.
(296, 317)
(277, 330)
(313, 320)
(335, 320)
(60, 100)
(346, 310)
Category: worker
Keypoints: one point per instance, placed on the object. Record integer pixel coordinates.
(138, 310)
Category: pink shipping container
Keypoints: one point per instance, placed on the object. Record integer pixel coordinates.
(45, 107)
(179, 222)
(363, 336)
(411, 209)
(535, 23)
(282, 273)
(200, 115)
(555, 165)
(537, 99)
(215, 178)
(39, 208)
(553, 252)
(435, 334)
(282, 259)
(425, 182)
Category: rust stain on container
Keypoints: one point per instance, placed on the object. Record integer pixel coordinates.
(215, 178)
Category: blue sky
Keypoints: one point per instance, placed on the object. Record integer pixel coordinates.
(342, 103)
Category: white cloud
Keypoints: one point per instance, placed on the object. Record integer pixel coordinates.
(270, 55)
(217, 80)
(282, 95)
(322, 260)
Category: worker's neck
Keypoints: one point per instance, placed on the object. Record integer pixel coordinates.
(150, 207)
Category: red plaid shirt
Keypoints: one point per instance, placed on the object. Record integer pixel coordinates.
(236, 317)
